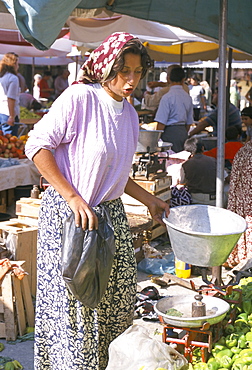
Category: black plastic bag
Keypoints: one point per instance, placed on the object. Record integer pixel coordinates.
(87, 258)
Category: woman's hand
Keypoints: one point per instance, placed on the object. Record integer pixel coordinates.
(83, 214)
(157, 207)
(11, 121)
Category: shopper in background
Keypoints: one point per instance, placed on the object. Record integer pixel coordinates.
(36, 90)
(44, 89)
(22, 83)
(199, 173)
(240, 202)
(175, 111)
(26, 100)
(9, 94)
(246, 116)
(197, 94)
(233, 119)
(231, 147)
(152, 101)
(61, 82)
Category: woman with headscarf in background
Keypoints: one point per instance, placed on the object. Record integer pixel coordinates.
(240, 202)
(9, 94)
(94, 132)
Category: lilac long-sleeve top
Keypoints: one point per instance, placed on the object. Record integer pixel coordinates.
(94, 139)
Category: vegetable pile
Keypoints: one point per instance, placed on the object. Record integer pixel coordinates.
(234, 350)
(12, 146)
(26, 113)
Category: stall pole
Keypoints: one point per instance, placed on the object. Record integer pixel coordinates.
(221, 119)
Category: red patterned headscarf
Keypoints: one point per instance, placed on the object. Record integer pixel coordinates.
(98, 66)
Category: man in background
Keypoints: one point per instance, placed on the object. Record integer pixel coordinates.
(152, 100)
(234, 118)
(175, 111)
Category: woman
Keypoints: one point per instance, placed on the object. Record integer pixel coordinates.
(240, 202)
(197, 94)
(9, 94)
(94, 131)
(36, 90)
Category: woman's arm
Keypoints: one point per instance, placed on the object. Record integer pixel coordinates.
(156, 206)
(11, 107)
(47, 166)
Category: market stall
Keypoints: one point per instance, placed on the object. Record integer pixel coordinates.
(25, 173)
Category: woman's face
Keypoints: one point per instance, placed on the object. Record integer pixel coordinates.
(194, 82)
(127, 79)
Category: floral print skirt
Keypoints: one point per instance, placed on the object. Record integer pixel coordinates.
(69, 335)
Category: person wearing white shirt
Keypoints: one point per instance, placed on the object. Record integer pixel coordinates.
(175, 112)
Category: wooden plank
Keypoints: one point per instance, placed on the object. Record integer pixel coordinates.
(1, 305)
(32, 220)
(28, 207)
(26, 249)
(2, 330)
(166, 195)
(19, 305)
(157, 231)
(9, 312)
(154, 186)
(24, 243)
(28, 304)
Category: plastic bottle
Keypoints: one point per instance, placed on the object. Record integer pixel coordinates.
(35, 192)
(182, 269)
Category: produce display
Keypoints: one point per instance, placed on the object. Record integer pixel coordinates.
(234, 350)
(26, 113)
(12, 146)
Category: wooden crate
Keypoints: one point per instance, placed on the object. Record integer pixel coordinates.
(28, 208)
(138, 226)
(16, 306)
(21, 240)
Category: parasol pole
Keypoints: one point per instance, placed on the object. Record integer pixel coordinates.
(181, 55)
(221, 119)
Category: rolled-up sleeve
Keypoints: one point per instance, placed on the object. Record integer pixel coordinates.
(56, 127)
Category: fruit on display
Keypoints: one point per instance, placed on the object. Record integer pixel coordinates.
(12, 146)
(26, 113)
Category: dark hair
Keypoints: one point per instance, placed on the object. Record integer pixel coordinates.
(195, 78)
(7, 64)
(247, 112)
(133, 46)
(193, 145)
(47, 73)
(35, 105)
(177, 74)
(233, 132)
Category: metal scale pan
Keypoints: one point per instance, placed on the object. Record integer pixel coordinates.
(216, 310)
(203, 235)
(148, 141)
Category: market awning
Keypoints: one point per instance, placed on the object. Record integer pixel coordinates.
(41, 23)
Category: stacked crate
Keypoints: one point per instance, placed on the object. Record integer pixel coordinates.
(16, 306)
(20, 239)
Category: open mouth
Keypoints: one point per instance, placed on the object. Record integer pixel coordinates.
(128, 91)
